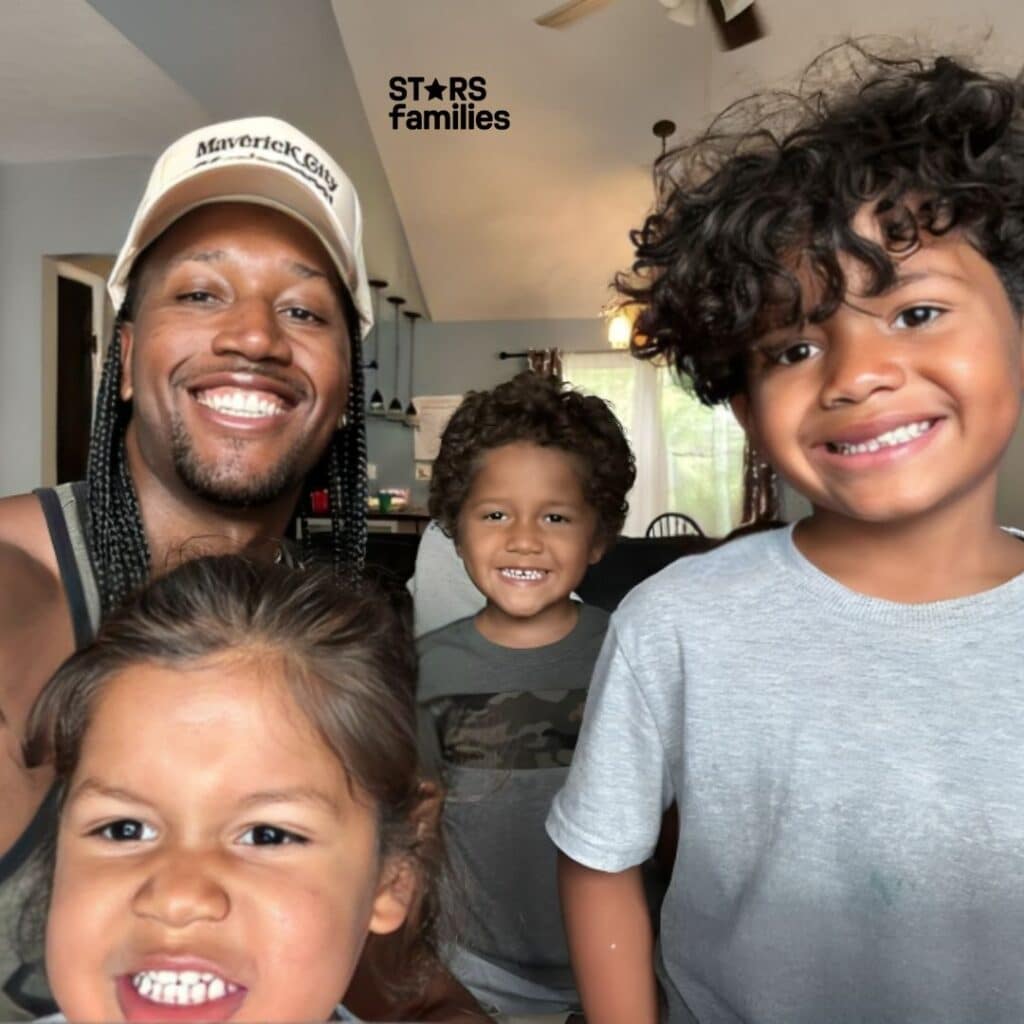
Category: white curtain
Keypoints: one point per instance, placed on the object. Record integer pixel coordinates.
(633, 389)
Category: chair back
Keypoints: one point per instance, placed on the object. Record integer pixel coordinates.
(674, 524)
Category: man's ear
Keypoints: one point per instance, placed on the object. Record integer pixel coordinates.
(399, 888)
(126, 333)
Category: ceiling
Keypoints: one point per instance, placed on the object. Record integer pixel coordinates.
(73, 87)
(528, 223)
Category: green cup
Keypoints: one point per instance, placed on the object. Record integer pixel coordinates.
(385, 501)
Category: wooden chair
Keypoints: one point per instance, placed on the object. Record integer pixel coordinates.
(674, 524)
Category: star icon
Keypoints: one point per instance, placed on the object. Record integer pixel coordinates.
(435, 90)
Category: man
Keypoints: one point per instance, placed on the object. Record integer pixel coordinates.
(234, 369)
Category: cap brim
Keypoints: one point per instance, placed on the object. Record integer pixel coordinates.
(262, 185)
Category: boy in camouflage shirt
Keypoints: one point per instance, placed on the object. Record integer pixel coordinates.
(531, 482)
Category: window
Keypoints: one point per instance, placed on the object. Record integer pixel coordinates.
(689, 457)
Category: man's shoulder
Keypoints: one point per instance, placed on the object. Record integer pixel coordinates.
(23, 529)
(28, 588)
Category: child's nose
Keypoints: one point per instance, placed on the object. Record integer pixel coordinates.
(523, 536)
(250, 328)
(860, 363)
(182, 888)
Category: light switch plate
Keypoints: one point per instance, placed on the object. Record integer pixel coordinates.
(423, 470)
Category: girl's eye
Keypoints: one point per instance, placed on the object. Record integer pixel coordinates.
(269, 835)
(917, 316)
(126, 830)
(494, 517)
(557, 517)
(789, 355)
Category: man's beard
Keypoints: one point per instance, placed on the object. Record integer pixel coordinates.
(227, 481)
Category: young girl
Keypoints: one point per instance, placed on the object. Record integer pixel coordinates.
(240, 803)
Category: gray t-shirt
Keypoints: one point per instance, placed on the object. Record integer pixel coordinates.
(500, 724)
(850, 780)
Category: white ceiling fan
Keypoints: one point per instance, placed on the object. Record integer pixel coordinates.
(735, 20)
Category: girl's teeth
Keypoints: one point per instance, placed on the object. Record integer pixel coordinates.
(901, 435)
(523, 574)
(184, 988)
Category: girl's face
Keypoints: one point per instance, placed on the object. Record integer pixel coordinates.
(213, 860)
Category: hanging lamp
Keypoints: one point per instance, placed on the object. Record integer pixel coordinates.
(412, 416)
(376, 406)
(395, 411)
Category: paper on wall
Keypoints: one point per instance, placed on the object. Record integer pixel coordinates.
(434, 413)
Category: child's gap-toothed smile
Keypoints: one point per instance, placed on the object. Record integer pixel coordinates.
(887, 439)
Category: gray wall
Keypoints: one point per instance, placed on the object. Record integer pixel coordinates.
(452, 358)
(86, 206)
(240, 58)
(47, 209)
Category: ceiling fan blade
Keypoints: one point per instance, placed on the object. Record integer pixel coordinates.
(565, 14)
(741, 28)
(682, 12)
(731, 8)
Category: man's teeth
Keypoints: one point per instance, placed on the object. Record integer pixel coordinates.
(524, 574)
(901, 435)
(240, 403)
(181, 988)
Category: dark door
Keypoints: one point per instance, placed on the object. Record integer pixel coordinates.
(75, 346)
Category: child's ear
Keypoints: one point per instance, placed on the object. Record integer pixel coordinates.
(127, 336)
(597, 549)
(395, 893)
(740, 404)
(400, 882)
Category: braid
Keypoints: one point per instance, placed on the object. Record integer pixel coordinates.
(346, 475)
(116, 540)
(344, 464)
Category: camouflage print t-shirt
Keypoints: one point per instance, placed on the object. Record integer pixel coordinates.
(500, 726)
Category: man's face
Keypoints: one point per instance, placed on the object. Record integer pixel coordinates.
(900, 405)
(237, 361)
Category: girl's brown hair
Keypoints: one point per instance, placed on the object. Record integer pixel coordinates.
(348, 659)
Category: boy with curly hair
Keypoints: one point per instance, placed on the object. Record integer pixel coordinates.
(531, 482)
(837, 708)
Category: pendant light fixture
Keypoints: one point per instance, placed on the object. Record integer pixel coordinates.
(412, 416)
(376, 406)
(394, 411)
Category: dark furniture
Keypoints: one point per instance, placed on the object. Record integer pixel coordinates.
(674, 524)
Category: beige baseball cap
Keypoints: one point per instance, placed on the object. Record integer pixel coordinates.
(253, 160)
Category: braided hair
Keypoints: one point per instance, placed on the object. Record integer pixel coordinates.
(116, 538)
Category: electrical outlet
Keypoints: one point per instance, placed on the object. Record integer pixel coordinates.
(423, 470)
(371, 471)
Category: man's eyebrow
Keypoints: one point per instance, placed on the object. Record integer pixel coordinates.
(197, 255)
(304, 270)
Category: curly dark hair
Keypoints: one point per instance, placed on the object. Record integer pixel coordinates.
(933, 144)
(541, 411)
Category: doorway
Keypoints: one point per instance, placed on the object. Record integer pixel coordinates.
(77, 348)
